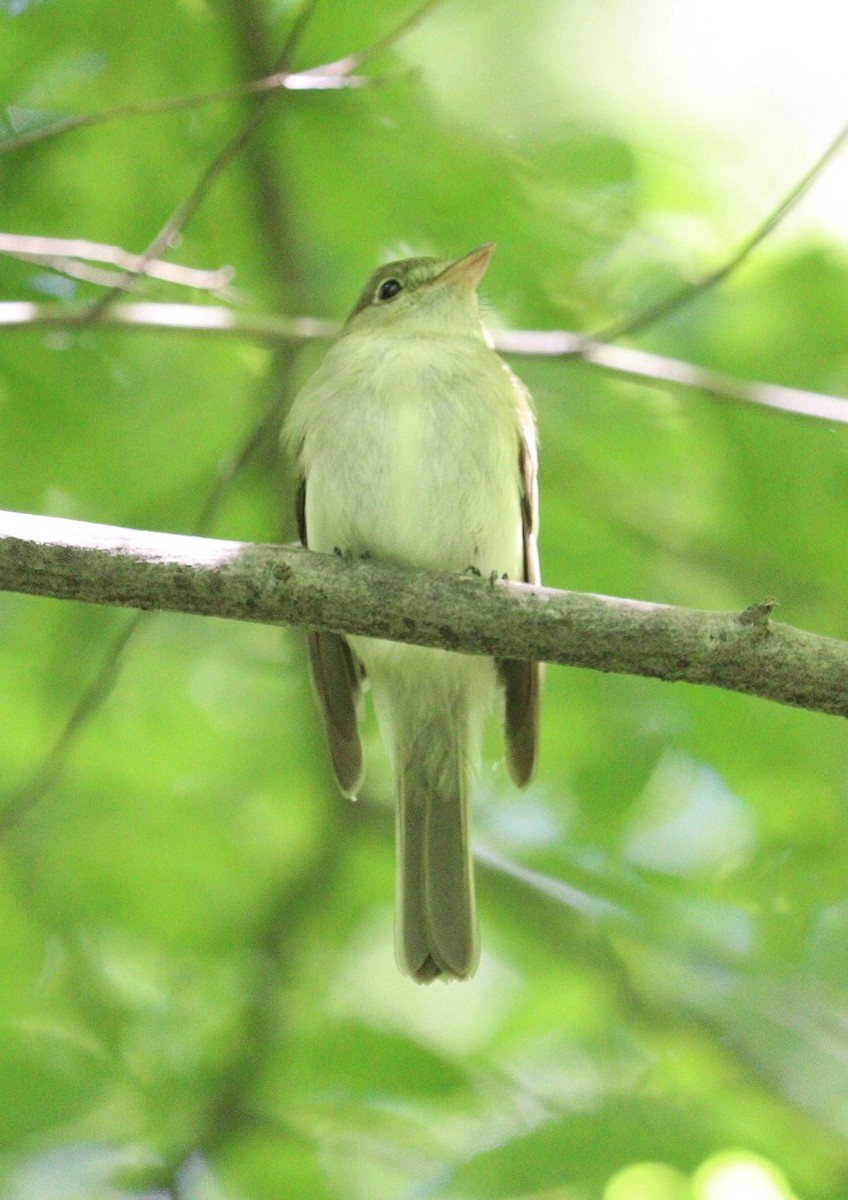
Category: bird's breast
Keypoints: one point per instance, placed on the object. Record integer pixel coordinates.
(419, 461)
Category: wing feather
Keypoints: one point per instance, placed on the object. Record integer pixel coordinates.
(336, 680)
(522, 680)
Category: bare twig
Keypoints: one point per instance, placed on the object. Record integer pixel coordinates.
(329, 76)
(95, 693)
(24, 314)
(293, 81)
(744, 652)
(658, 369)
(655, 313)
(62, 254)
(49, 770)
(674, 372)
(183, 214)
(351, 61)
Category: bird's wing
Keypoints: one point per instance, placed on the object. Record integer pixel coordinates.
(522, 680)
(336, 678)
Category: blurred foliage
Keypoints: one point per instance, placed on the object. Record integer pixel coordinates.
(199, 998)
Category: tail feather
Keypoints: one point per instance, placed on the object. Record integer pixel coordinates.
(437, 926)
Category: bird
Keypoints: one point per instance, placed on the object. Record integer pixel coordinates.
(415, 444)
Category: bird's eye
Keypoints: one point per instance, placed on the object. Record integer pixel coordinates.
(388, 289)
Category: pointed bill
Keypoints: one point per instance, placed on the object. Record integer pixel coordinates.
(468, 271)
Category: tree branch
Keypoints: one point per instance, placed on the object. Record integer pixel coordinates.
(656, 369)
(102, 564)
(296, 81)
(678, 299)
(63, 254)
(326, 76)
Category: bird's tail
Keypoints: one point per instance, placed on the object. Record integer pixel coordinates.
(437, 921)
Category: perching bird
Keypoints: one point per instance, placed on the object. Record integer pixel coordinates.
(416, 445)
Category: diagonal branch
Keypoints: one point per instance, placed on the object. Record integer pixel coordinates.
(183, 213)
(49, 769)
(94, 694)
(675, 372)
(619, 360)
(293, 81)
(678, 299)
(328, 76)
(745, 652)
(63, 254)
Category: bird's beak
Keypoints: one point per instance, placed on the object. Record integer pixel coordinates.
(468, 271)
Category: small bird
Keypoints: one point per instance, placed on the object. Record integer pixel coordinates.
(416, 445)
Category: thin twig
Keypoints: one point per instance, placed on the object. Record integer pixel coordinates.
(182, 215)
(184, 212)
(672, 372)
(293, 81)
(329, 76)
(349, 62)
(628, 326)
(625, 361)
(100, 687)
(50, 769)
(298, 28)
(393, 36)
(25, 314)
(60, 253)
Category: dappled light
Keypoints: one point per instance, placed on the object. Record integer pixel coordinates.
(200, 998)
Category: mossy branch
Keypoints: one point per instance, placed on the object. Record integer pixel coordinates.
(743, 652)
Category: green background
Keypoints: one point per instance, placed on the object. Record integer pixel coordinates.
(198, 997)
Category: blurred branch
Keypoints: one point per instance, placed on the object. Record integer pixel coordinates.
(180, 217)
(328, 76)
(201, 318)
(314, 79)
(50, 768)
(620, 360)
(96, 692)
(745, 652)
(658, 368)
(263, 432)
(266, 167)
(351, 61)
(690, 291)
(265, 1022)
(62, 254)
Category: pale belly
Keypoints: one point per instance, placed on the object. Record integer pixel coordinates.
(431, 483)
(425, 493)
